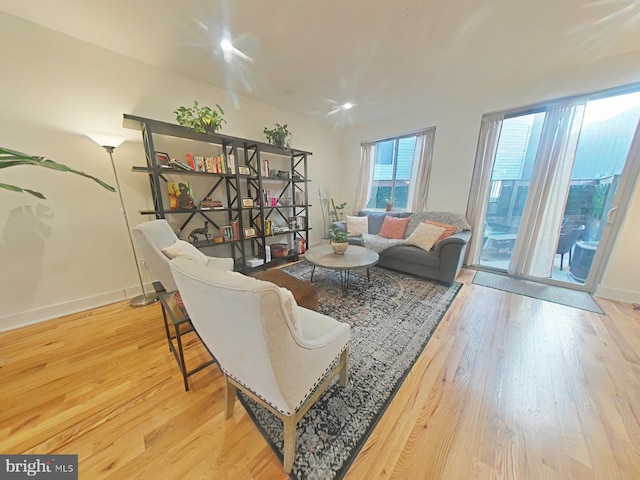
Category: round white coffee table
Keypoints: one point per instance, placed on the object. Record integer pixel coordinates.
(354, 257)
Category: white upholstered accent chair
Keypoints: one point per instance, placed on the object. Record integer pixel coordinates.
(155, 235)
(266, 345)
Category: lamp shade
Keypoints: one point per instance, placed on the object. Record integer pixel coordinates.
(106, 139)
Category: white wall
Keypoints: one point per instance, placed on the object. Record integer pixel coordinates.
(71, 251)
(456, 112)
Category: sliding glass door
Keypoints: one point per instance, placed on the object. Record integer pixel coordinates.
(554, 186)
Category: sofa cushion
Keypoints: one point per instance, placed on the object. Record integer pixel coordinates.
(357, 225)
(393, 227)
(376, 217)
(448, 229)
(457, 220)
(184, 249)
(425, 236)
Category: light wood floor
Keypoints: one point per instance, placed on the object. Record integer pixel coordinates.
(509, 387)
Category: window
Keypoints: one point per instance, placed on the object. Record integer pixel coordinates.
(392, 173)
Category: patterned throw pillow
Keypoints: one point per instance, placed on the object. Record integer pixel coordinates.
(393, 227)
(185, 249)
(448, 229)
(357, 225)
(425, 236)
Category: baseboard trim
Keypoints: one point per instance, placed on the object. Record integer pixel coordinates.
(625, 296)
(23, 319)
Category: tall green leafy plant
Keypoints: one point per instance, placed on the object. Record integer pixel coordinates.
(12, 158)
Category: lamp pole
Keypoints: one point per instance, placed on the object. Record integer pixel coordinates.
(109, 143)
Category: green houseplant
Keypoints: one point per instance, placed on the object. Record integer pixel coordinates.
(279, 136)
(201, 119)
(339, 240)
(11, 158)
(389, 203)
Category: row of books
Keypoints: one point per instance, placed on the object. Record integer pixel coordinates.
(225, 164)
(230, 232)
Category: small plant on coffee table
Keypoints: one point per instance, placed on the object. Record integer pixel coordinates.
(339, 240)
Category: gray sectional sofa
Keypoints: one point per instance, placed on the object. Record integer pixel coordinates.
(442, 263)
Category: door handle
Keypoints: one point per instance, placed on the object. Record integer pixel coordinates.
(611, 215)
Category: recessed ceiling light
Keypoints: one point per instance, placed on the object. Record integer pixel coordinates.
(347, 106)
(226, 45)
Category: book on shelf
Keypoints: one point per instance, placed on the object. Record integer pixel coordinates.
(180, 195)
(208, 163)
(200, 163)
(228, 233)
(231, 163)
(265, 167)
(209, 204)
(236, 230)
(175, 163)
(191, 161)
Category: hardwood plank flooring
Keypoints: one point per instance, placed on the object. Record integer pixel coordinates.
(508, 387)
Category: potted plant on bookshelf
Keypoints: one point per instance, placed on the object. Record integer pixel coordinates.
(279, 135)
(339, 240)
(201, 119)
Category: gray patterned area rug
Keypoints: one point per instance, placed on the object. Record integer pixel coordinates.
(392, 319)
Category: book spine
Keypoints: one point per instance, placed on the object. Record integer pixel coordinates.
(191, 161)
(232, 164)
(200, 163)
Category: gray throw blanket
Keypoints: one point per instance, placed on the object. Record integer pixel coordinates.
(378, 243)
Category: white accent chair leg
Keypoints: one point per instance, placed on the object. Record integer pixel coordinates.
(344, 372)
(289, 442)
(230, 397)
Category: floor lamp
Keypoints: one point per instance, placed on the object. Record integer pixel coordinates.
(109, 142)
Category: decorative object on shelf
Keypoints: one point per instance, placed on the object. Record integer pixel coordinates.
(334, 213)
(284, 200)
(163, 158)
(242, 170)
(200, 119)
(279, 135)
(279, 250)
(249, 232)
(339, 240)
(12, 158)
(110, 143)
(193, 236)
(247, 202)
(283, 174)
(180, 196)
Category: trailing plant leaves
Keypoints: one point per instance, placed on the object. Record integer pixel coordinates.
(13, 158)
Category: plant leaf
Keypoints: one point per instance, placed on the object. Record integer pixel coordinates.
(13, 188)
(12, 158)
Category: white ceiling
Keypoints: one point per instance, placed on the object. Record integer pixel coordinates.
(386, 56)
